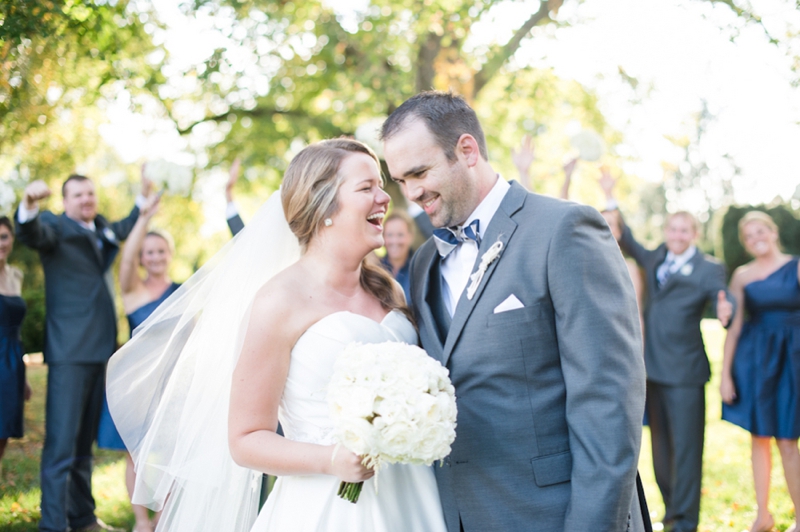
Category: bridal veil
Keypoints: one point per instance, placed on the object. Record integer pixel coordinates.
(169, 387)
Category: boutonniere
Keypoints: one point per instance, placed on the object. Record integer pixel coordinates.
(486, 259)
(109, 234)
(687, 269)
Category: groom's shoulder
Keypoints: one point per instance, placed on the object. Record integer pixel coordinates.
(548, 211)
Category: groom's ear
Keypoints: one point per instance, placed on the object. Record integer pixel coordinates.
(467, 147)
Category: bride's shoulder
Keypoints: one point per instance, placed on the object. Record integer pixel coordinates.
(282, 303)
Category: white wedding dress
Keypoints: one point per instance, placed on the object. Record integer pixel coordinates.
(405, 497)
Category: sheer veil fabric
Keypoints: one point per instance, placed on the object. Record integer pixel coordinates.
(169, 386)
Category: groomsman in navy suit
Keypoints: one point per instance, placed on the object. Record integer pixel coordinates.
(681, 280)
(77, 249)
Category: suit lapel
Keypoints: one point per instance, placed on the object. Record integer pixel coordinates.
(501, 228)
(428, 291)
(694, 261)
(90, 237)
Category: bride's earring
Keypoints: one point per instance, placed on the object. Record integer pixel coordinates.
(328, 222)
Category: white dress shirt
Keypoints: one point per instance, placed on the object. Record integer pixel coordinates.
(678, 261)
(458, 265)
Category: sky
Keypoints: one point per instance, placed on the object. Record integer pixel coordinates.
(680, 53)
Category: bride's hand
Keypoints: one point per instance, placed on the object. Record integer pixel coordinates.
(347, 466)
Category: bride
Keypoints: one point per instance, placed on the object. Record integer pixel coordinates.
(250, 341)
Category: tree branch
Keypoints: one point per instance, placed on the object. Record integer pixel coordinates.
(254, 113)
(748, 16)
(494, 63)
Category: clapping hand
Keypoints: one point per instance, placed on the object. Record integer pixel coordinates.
(233, 177)
(35, 191)
(724, 309)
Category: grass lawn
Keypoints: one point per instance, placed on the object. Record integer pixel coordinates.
(728, 500)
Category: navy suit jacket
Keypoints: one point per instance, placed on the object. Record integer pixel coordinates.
(81, 322)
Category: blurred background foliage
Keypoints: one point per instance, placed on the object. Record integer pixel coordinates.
(291, 73)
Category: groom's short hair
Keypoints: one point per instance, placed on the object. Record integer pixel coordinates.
(447, 116)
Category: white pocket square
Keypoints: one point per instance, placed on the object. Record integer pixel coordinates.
(510, 303)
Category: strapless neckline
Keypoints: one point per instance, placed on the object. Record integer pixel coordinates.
(381, 323)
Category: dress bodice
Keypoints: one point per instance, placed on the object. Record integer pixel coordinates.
(776, 298)
(12, 312)
(303, 411)
(138, 316)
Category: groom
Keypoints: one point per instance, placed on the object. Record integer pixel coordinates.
(528, 303)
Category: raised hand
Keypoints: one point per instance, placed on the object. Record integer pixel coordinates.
(724, 309)
(233, 177)
(150, 207)
(346, 466)
(569, 168)
(147, 185)
(606, 182)
(35, 191)
(523, 158)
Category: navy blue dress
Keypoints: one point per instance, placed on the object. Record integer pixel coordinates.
(107, 435)
(766, 367)
(12, 368)
(403, 275)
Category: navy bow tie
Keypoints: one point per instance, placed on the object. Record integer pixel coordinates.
(449, 238)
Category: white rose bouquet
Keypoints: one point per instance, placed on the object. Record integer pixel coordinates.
(391, 403)
(175, 178)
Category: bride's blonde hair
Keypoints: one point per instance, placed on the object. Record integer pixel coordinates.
(309, 195)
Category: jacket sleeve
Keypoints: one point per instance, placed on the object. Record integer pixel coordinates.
(630, 246)
(124, 227)
(716, 282)
(600, 347)
(235, 224)
(39, 233)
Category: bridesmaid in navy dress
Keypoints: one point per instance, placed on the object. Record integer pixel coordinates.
(760, 385)
(151, 250)
(14, 389)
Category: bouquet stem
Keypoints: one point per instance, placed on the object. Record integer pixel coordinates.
(350, 491)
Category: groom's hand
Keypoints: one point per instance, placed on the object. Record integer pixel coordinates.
(347, 466)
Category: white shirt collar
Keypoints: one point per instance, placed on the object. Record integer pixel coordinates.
(86, 225)
(683, 258)
(486, 209)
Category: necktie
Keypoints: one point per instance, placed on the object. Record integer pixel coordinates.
(449, 238)
(664, 271)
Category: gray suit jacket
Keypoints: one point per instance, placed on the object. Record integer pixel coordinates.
(81, 322)
(550, 396)
(674, 350)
